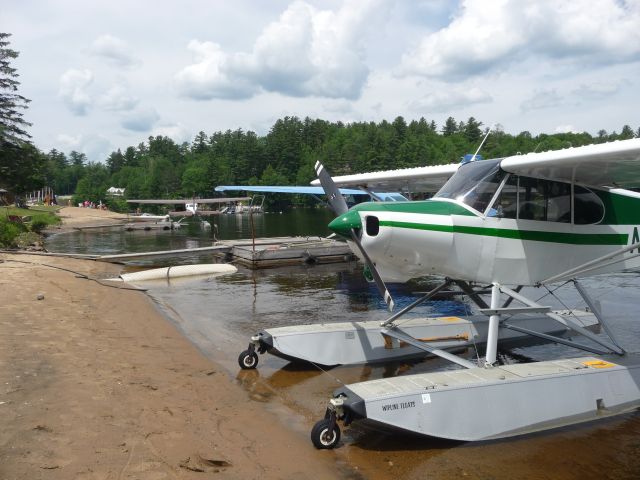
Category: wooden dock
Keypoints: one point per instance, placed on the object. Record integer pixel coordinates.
(258, 253)
(273, 252)
(171, 225)
(99, 227)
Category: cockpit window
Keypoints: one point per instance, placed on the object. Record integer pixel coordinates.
(474, 184)
(521, 198)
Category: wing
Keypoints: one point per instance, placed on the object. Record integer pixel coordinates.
(285, 189)
(613, 164)
(384, 196)
(419, 179)
(184, 201)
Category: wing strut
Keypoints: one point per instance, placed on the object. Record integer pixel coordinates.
(596, 311)
(595, 264)
(570, 324)
(389, 321)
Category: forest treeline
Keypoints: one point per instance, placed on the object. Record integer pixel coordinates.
(161, 168)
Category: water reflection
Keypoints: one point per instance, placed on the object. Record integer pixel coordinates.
(297, 222)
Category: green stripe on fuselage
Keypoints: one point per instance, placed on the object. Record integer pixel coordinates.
(533, 235)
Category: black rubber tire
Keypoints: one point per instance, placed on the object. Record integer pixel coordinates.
(321, 437)
(248, 360)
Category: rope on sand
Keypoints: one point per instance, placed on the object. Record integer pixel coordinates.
(79, 275)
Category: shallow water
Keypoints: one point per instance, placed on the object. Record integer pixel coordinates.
(219, 315)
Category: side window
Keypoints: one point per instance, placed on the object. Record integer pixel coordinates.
(587, 205)
(558, 202)
(544, 200)
(531, 200)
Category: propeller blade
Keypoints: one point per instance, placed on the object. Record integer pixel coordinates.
(336, 200)
(339, 207)
(382, 288)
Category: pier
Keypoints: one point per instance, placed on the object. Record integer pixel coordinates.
(278, 251)
(256, 253)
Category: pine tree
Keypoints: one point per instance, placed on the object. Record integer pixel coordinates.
(450, 127)
(21, 164)
(12, 123)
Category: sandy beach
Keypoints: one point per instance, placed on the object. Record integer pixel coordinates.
(96, 384)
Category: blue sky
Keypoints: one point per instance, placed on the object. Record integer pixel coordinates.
(107, 74)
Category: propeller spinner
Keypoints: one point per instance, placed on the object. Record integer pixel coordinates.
(348, 224)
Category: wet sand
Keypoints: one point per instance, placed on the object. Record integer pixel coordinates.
(95, 383)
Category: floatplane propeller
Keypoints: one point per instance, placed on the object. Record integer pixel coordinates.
(339, 207)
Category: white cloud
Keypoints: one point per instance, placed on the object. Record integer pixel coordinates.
(140, 120)
(73, 90)
(208, 78)
(118, 98)
(306, 52)
(486, 36)
(449, 98)
(114, 50)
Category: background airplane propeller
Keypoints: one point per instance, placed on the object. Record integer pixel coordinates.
(339, 207)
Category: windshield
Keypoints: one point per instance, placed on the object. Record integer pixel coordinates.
(474, 184)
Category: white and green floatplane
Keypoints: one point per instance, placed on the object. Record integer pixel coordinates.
(501, 224)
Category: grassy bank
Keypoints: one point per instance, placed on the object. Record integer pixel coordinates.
(20, 227)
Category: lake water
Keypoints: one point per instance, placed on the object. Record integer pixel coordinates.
(303, 222)
(221, 314)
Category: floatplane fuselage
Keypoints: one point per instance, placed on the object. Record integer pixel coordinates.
(488, 226)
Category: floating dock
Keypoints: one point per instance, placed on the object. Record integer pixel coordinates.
(100, 227)
(257, 253)
(273, 252)
(170, 225)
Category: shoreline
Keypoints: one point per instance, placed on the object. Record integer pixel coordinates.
(97, 383)
(73, 217)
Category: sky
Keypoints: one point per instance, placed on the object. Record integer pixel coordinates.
(103, 75)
